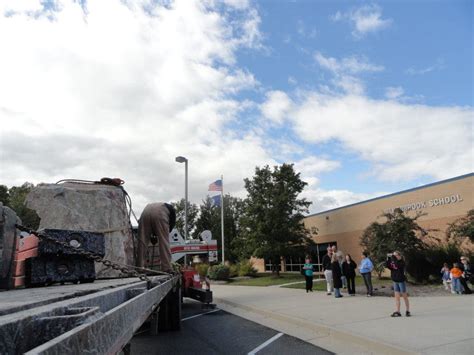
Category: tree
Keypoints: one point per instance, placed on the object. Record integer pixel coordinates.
(272, 224)
(462, 228)
(399, 232)
(16, 197)
(180, 220)
(210, 219)
(207, 219)
(4, 196)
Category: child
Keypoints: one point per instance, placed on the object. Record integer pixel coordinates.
(456, 274)
(445, 276)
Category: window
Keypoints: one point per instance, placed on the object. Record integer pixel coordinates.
(294, 264)
(268, 265)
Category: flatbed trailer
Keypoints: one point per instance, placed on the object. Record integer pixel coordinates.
(89, 318)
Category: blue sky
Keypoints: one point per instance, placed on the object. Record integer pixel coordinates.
(435, 36)
(426, 49)
(364, 97)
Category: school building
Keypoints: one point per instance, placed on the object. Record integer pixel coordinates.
(442, 203)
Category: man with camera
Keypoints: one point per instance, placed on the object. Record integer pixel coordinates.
(396, 264)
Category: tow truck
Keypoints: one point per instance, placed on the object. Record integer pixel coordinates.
(91, 316)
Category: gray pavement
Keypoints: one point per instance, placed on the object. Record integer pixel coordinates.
(357, 325)
(210, 332)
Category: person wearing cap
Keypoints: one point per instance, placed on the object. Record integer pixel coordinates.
(396, 264)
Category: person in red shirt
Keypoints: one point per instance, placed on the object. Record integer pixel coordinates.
(456, 274)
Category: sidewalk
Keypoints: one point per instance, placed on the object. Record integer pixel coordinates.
(357, 325)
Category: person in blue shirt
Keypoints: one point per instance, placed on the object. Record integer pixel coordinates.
(308, 274)
(365, 268)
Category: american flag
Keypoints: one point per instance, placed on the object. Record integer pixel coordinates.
(216, 200)
(216, 186)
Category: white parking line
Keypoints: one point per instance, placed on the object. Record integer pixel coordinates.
(268, 342)
(200, 314)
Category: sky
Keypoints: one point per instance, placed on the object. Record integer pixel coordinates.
(365, 98)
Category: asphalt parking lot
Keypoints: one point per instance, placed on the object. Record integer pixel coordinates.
(205, 331)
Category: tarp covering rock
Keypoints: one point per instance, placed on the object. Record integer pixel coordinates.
(87, 207)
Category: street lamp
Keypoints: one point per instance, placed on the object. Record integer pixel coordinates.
(181, 159)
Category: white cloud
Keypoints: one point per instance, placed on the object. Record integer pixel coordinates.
(345, 71)
(324, 200)
(401, 141)
(421, 71)
(276, 106)
(394, 92)
(312, 165)
(352, 64)
(122, 88)
(304, 31)
(365, 19)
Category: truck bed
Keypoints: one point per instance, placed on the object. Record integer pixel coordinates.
(12, 301)
(98, 318)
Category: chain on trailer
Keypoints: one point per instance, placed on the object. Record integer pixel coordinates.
(125, 269)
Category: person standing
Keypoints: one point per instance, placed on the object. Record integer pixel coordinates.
(365, 268)
(456, 276)
(348, 270)
(308, 274)
(327, 270)
(336, 275)
(466, 274)
(157, 220)
(396, 264)
(340, 257)
(445, 276)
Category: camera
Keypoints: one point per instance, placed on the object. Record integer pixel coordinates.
(389, 255)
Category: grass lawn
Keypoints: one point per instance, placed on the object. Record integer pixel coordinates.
(321, 285)
(265, 279)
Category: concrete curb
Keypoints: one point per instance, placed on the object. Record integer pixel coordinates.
(325, 336)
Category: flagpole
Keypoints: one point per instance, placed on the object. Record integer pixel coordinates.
(222, 218)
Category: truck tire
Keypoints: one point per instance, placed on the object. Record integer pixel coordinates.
(175, 310)
(169, 315)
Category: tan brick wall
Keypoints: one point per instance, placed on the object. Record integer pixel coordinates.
(346, 225)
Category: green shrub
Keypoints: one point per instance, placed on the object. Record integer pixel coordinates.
(246, 269)
(234, 270)
(202, 269)
(425, 265)
(219, 272)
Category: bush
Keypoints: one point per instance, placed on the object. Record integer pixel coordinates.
(234, 270)
(202, 269)
(426, 264)
(219, 272)
(246, 269)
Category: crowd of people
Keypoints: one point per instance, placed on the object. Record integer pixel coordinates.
(455, 279)
(340, 272)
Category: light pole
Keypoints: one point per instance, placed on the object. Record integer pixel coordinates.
(181, 159)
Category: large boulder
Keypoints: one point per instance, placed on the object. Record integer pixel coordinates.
(88, 207)
(8, 234)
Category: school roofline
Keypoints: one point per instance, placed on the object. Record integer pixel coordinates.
(393, 194)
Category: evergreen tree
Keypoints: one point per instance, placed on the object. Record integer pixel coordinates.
(399, 232)
(4, 196)
(210, 219)
(272, 225)
(462, 228)
(180, 220)
(15, 199)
